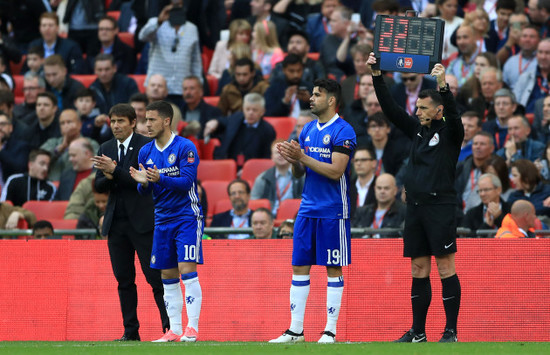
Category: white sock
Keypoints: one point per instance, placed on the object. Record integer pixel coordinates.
(298, 298)
(335, 288)
(193, 299)
(173, 299)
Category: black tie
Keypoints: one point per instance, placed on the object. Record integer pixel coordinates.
(121, 160)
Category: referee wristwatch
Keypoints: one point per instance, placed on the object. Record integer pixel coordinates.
(445, 88)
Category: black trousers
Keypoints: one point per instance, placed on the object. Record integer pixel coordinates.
(124, 241)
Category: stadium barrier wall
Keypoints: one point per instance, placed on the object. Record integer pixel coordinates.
(65, 290)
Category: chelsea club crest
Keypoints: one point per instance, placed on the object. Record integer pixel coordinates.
(172, 158)
(326, 139)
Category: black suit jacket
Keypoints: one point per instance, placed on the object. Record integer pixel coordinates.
(207, 112)
(224, 219)
(125, 58)
(474, 218)
(69, 50)
(395, 153)
(140, 209)
(353, 195)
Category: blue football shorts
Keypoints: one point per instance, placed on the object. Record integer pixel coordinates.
(176, 242)
(321, 241)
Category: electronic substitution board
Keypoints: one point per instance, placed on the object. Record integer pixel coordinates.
(408, 44)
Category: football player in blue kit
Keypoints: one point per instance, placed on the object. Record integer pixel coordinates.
(168, 169)
(322, 228)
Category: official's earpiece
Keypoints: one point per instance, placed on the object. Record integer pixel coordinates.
(438, 110)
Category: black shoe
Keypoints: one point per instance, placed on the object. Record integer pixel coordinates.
(129, 338)
(449, 336)
(412, 337)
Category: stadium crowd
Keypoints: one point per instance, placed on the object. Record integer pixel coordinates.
(239, 74)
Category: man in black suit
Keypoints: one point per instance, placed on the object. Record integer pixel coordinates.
(129, 217)
(246, 135)
(361, 189)
(240, 215)
(194, 108)
(68, 49)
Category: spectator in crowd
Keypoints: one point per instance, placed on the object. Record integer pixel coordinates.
(505, 106)
(538, 12)
(463, 66)
(266, 50)
(81, 152)
(245, 134)
(385, 212)
(469, 170)
(529, 186)
(447, 12)
(519, 223)
(472, 125)
(471, 89)
(511, 47)
(288, 95)
(34, 185)
(339, 22)
(358, 113)
(156, 88)
(81, 195)
(525, 60)
(108, 42)
(35, 61)
(13, 150)
(42, 230)
(70, 126)
(497, 166)
(66, 48)
(304, 118)
(194, 107)
(406, 92)
(262, 223)
(318, 26)
(296, 12)
(10, 216)
(111, 87)
(245, 82)
(46, 125)
(361, 190)
(491, 82)
(533, 85)
(33, 84)
(504, 9)
(240, 215)
(492, 209)
(59, 83)
(93, 211)
(485, 37)
(519, 145)
(94, 124)
(351, 84)
(9, 52)
(541, 123)
(139, 102)
(277, 183)
(175, 51)
(453, 86)
(82, 17)
(356, 34)
(390, 153)
(239, 32)
(25, 20)
(261, 10)
(238, 51)
(298, 44)
(286, 229)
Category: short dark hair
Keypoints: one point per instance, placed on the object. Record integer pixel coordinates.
(473, 114)
(38, 50)
(113, 20)
(386, 5)
(245, 62)
(379, 118)
(55, 59)
(36, 152)
(292, 59)
(265, 210)
(241, 181)
(297, 32)
(506, 4)
(49, 95)
(41, 224)
(432, 94)
(332, 87)
(164, 109)
(6, 97)
(104, 57)
(367, 149)
(139, 97)
(123, 110)
(85, 92)
(49, 15)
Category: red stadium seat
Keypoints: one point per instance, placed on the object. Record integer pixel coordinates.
(208, 149)
(283, 126)
(212, 84)
(47, 210)
(206, 55)
(64, 223)
(127, 38)
(114, 14)
(254, 167)
(16, 67)
(288, 208)
(18, 82)
(86, 80)
(216, 190)
(212, 100)
(225, 205)
(224, 169)
(140, 81)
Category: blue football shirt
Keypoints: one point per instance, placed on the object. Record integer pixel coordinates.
(175, 194)
(323, 197)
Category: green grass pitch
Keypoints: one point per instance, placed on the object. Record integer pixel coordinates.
(249, 348)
